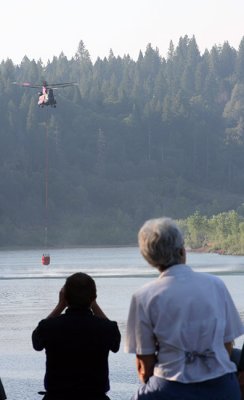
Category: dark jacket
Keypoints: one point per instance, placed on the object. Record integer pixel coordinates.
(2, 392)
(77, 345)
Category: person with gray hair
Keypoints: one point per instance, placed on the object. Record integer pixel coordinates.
(161, 242)
(181, 326)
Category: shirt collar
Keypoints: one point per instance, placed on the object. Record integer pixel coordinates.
(177, 269)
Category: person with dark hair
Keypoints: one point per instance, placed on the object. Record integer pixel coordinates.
(181, 326)
(77, 343)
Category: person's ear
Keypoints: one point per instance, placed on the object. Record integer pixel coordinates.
(182, 252)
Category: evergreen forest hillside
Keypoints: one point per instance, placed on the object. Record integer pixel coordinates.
(134, 139)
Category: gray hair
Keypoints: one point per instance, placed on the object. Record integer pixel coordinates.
(160, 241)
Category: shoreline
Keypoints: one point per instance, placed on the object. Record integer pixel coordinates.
(98, 246)
(203, 249)
(208, 249)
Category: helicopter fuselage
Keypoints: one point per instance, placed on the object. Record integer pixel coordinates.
(46, 98)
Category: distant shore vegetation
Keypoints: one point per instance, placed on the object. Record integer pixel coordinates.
(222, 233)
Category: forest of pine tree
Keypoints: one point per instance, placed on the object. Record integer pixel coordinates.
(134, 139)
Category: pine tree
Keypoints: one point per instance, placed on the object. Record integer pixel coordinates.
(240, 62)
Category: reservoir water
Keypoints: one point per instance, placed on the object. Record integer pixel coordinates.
(29, 290)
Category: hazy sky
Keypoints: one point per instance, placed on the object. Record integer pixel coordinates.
(44, 28)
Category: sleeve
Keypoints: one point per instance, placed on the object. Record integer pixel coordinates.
(234, 326)
(116, 337)
(38, 338)
(139, 331)
(2, 391)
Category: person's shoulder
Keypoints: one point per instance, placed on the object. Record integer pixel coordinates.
(207, 275)
(146, 288)
(215, 280)
(106, 326)
(147, 292)
(51, 321)
(149, 285)
(105, 322)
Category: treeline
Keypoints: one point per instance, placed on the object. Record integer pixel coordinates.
(222, 233)
(135, 139)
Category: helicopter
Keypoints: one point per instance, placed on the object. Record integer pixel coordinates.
(46, 95)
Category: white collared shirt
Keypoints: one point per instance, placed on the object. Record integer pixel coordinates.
(186, 317)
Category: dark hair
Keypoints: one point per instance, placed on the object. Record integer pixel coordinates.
(80, 290)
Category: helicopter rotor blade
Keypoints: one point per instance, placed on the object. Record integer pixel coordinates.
(45, 84)
(61, 85)
(27, 84)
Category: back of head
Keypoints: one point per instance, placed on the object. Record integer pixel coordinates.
(80, 290)
(161, 242)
